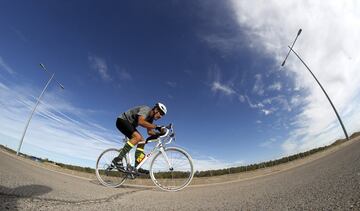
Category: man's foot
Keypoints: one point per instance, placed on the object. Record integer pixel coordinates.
(143, 171)
(117, 163)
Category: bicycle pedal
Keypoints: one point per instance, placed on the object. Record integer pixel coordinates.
(129, 171)
(135, 173)
(131, 176)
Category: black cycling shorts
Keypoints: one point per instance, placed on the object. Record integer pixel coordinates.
(125, 127)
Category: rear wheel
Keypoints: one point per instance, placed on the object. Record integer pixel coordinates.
(108, 174)
(175, 176)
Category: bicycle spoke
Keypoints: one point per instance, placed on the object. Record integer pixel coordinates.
(112, 178)
(178, 177)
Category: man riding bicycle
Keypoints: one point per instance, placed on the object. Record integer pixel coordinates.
(127, 124)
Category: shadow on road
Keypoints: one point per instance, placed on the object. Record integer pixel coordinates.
(135, 187)
(10, 196)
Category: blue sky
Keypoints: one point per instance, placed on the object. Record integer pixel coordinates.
(215, 64)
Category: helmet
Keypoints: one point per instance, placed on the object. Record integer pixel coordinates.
(162, 107)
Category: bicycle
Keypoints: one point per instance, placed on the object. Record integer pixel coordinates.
(171, 168)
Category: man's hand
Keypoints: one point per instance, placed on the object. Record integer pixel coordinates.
(161, 130)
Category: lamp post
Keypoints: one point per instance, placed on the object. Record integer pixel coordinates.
(37, 103)
(322, 88)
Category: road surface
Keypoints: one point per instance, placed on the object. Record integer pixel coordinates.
(328, 183)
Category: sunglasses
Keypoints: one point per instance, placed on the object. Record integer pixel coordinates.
(161, 113)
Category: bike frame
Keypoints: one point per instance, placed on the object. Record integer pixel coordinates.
(163, 140)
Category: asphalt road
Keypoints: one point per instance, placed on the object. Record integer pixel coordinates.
(329, 183)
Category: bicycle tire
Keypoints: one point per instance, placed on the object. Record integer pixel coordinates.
(181, 174)
(113, 177)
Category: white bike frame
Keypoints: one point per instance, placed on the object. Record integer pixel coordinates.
(163, 140)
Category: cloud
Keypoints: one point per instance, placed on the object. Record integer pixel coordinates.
(227, 90)
(226, 39)
(295, 101)
(280, 101)
(171, 84)
(268, 144)
(259, 85)
(290, 146)
(275, 86)
(326, 45)
(98, 64)
(217, 86)
(266, 111)
(222, 88)
(124, 75)
(203, 163)
(3, 86)
(260, 106)
(5, 66)
(226, 43)
(58, 130)
(253, 105)
(242, 98)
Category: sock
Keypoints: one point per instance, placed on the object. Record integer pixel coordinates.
(127, 147)
(139, 156)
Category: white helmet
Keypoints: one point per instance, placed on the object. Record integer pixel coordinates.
(162, 107)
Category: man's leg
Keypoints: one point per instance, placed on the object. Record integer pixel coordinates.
(135, 138)
(139, 154)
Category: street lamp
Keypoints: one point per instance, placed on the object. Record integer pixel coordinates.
(37, 103)
(322, 88)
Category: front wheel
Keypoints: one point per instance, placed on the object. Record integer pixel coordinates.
(106, 173)
(174, 172)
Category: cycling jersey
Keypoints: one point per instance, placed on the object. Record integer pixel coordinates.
(132, 115)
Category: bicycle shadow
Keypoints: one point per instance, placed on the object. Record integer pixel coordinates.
(9, 196)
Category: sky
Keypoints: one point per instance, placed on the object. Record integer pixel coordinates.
(216, 65)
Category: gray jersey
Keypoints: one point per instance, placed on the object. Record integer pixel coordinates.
(133, 114)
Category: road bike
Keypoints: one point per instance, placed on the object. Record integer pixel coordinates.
(171, 168)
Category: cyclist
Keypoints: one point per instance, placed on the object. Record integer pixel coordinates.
(127, 124)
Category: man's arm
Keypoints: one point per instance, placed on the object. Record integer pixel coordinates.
(150, 127)
(151, 132)
(142, 122)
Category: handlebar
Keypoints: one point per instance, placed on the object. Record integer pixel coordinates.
(169, 128)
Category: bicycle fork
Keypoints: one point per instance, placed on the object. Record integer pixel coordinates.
(162, 150)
